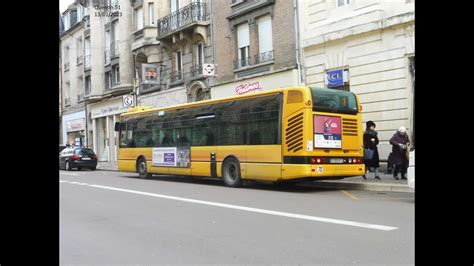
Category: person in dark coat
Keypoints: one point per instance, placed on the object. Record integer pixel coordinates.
(400, 144)
(370, 142)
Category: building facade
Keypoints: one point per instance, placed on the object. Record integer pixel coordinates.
(256, 47)
(366, 47)
(72, 107)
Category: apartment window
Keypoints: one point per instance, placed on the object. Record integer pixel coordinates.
(139, 18)
(116, 38)
(151, 14)
(200, 54)
(116, 70)
(243, 44)
(108, 80)
(265, 42)
(179, 63)
(87, 52)
(343, 2)
(66, 58)
(107, 47)
(87, 85)
(174, 5)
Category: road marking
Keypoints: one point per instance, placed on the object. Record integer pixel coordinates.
(62, 173)
(243, 208)
(349, 194)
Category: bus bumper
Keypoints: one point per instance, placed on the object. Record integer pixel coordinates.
(321, 171)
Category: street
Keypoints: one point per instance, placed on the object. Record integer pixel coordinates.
(116, 218)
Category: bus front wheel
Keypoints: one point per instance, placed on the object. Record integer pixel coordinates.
(231, 173)
(142, 169)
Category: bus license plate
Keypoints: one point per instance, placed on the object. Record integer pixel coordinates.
(336, 160)
(86, 158)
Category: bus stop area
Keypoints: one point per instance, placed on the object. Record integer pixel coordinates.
(386, 184)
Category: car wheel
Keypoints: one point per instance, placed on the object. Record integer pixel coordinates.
(231, 173)
(142, 169)
(68, 166)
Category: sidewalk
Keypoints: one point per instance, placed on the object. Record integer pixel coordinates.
(387, 184)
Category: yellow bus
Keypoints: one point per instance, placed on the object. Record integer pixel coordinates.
(289, 134)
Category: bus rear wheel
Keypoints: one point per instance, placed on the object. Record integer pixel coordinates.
(142, 169)
(231, 173)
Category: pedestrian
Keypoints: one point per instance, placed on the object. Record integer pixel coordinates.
(400, 144)
(371, 141)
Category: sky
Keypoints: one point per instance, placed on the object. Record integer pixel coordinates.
(63, 4)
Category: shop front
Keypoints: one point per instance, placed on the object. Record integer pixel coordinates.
(104, 115)
(74, 129)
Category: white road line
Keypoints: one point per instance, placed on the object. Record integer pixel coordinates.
(62, 173)
(243, 208)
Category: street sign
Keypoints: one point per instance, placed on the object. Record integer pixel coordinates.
(209, 70)
(128, 101)
(335, 78)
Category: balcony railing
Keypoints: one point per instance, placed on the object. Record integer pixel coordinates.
(176, 76)
(107, 57)
(66, 66)
(115, 49)
(196, 70)
(178, 19)
(87, 62)
(79, 60)
(242, 62)
(264, 57)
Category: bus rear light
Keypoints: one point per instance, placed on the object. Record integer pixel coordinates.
(318, 160)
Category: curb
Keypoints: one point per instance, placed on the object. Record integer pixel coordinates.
(363, 186)
(343, 185)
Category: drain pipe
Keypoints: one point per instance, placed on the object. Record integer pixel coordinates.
(301, 78)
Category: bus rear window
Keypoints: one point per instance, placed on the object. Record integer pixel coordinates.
(334, 101)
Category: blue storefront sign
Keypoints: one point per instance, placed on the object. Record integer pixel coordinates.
(335, 78)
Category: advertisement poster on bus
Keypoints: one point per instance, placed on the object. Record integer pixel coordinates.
(184, 159)
(172, 156)
(327, 131)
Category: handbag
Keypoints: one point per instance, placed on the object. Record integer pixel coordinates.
(368, 154)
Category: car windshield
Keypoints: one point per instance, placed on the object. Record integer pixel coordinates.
(87, 152)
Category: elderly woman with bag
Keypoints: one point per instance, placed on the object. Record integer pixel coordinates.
(400, 148)
(371, 155)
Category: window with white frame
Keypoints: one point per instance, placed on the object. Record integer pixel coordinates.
(179, 63)
(139, 18)
(116, 70)
(87, 85)
(200, 54)
(108, 80)
(265, 39)
(342, 2)
(87, 52)
(174, 5)
(116, 38)
(151, 14)
(243, 44)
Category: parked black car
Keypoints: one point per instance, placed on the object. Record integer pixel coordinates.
(61, 148)
(77, 158)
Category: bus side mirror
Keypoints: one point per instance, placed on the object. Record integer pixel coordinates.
(117, 126)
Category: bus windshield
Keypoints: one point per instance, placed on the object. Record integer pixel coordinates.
(333, 101)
